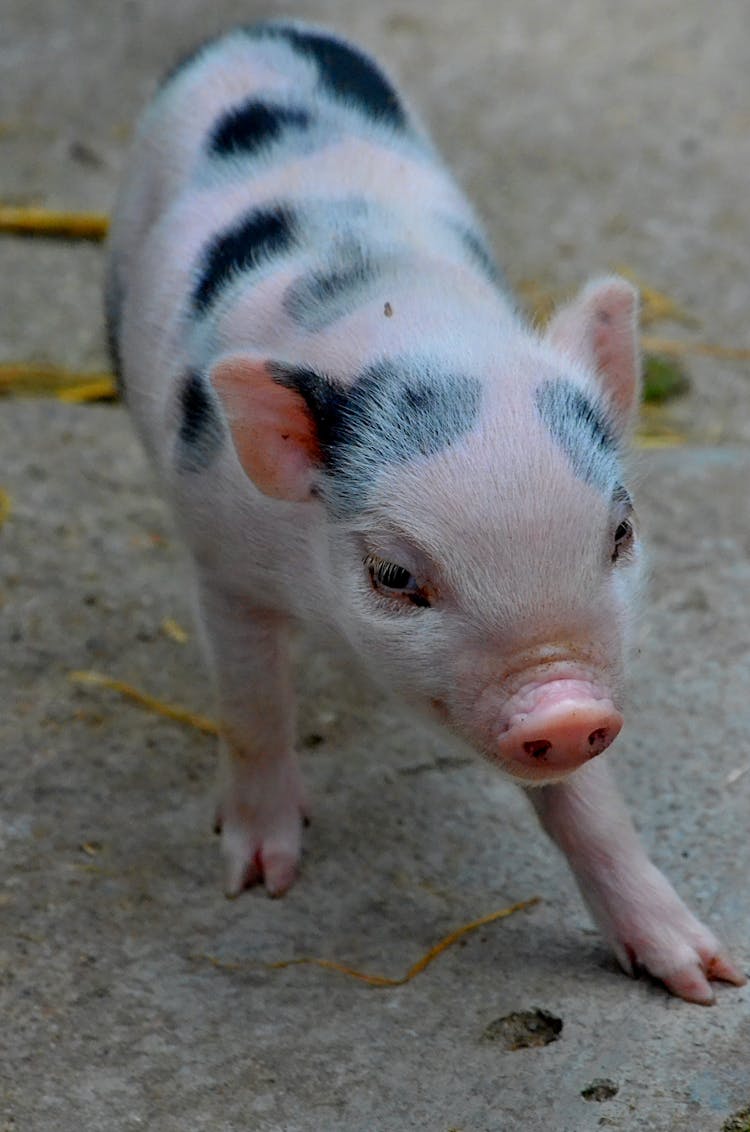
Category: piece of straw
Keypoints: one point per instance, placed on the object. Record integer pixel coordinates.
(174, 631)
(20, 220)
(143, 699)
(377, 980)
(40, 379)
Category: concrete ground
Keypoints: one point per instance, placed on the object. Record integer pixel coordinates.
(589, 134)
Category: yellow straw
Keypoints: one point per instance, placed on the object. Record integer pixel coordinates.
(380, 980)
(171, 711)
(53, 222)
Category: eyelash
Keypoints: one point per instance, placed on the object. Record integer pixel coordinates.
(384, 574)
(623, 535)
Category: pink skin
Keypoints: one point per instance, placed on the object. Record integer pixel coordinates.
(556, 726)
(635, 907)
(262, 801)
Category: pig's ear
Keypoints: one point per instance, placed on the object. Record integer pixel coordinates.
(600, 328)
(273, 432)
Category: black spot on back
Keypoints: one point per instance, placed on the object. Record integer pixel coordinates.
(257, 237)
(480, 255)
(201, 432)
(394, 412)
(319, 298)
(346, 72)
(113, 298)
(343, 70)
(582, 431)
(254, 124)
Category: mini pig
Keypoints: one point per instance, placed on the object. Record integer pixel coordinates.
(357, 428)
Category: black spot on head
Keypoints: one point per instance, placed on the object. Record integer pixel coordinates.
(394, 412)
(582, 431)
(245, 129)
(257, 237)
(201, 431)
(345, 72)
(321, 297)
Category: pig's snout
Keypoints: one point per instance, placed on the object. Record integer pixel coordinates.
(562, 725)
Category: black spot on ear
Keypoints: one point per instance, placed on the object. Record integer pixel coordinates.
(582, 431)
(325, 399)
(346, 72)
(201, 432)
(256, 238)
(245, 129)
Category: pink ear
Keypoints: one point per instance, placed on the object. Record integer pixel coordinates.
(274, 435)
(600, 328)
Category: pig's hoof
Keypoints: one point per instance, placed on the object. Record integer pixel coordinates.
(250, 857)
(692, 982)
(681, 952)
(259, 816)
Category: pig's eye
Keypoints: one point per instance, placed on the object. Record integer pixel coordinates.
(395, 581)
(623, 538)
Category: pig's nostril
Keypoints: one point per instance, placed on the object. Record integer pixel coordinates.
(599, 740)
(537, 747)
(563, 724)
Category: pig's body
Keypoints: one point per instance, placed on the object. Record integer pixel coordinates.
(356, 427)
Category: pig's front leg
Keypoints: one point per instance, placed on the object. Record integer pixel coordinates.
(633, 904)
(261, 797)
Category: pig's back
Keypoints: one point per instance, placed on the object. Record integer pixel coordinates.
(277, 164)
(241, 101)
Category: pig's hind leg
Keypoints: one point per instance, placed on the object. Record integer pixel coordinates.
(633, 904)
(261, 797)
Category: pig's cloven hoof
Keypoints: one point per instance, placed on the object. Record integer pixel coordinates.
(667, 941)
(260, 818)
(274, 861)
(692, 982)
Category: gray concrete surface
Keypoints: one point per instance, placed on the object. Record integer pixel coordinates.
(589, 134)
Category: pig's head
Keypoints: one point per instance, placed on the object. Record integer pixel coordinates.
(477, 540)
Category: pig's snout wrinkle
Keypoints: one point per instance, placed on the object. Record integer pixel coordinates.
(563, 729)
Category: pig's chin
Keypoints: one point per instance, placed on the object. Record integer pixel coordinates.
(529, 776)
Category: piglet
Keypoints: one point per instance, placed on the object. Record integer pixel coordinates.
(356, 427)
